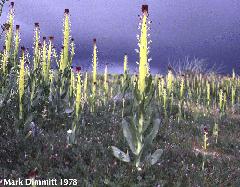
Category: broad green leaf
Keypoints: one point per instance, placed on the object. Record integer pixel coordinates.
(120, 154)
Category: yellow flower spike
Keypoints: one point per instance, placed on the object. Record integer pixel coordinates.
(208, 94)
(49, 54)
(106, 79)
(72, 81)
(61, 61)
(85, 86)
(54, 52)
(233, 95)
(143, 53)
(111, 92)
(220, 99)
(78, 95)
(9, 33)
(159, 88)
(51, 77)
(233, 74)
(125, 64)
(165, 101)
(16, 45)
(21, 83)
(205, 139)
(36, 46)
(170, 79)
(66, 34)
(182, 87)
(72, 50)
(4, 61)
(94, 67)
(44, 60)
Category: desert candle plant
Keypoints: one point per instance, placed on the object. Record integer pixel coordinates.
(143, 52)
(78, 94)
(9, 31)
(49, 54)
(94, 66)
(134, 129)
(66, 36)
(16, 45)
(44, 60)
(4, 61)
(21, 83)
(36, 46)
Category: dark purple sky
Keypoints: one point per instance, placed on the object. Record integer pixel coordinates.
(208, 29)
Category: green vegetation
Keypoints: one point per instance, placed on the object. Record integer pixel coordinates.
(114, 130)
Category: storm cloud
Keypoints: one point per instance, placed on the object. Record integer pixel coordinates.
(208, 29)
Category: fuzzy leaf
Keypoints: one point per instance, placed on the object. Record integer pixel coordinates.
(155, 156)
(129, 136)
(153, 133)
(120, 154)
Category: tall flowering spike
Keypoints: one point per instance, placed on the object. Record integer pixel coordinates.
(72, 50)
(16, 45)
(44, 60)
(85, 86)
(106, 79)
(94, 66)
(4, 61)
(125, 63)
(72, 84)
(143, 52)
(61, 60)
(9, 32)
(170, 79)
(36, 46)
(78, 95)
(21, 83)
(49, 55)
(66, 35)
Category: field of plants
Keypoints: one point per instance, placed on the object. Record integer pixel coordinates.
(113, 129)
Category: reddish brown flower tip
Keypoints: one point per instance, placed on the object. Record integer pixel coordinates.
(23, 48)
(94, 83)
(17, 27)
(6, 26)
(44, 38)
(51, 38)
(145, 8)
(169, 68)
(205, 129)
(66, 11)
(78, 68)
(33, 173)
(36, 24)
(39, 45)
(12, 4)
(4, 47)
(94, 40)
